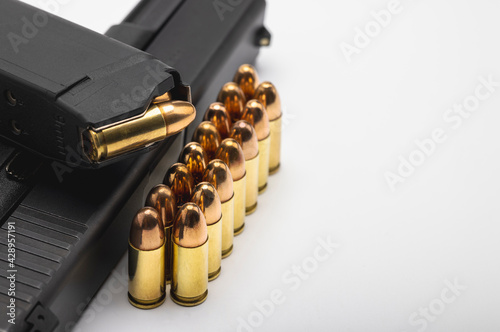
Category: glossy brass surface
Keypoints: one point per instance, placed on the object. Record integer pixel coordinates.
(158, 122)
(233, 99)
(248, 80)
(217, 114)
(245, 135)
(190, 256)
(195, 158)
(146, 259)
(209, 138)
(267, 94)
(162, 199)
(180, 180)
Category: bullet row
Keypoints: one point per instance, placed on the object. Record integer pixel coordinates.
(188, 222)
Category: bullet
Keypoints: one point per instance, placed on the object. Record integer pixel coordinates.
(146, 259)
(248, 80)
(233, 99)
(207, 135)
(267, 94)
(230, 152)
(245, 135)
(256, 115)
(217, 114)
(206, 197)
(195, 158)
(219, 175)
(180, 180)
(190, 257)
(162, 199)
(158, 122)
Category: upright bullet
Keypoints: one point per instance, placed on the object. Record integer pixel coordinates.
(267, 94)
(162, 199)
(256, 115)
(209, 138)
(217, 114)
(230, 152)
(206, 197)
(146, 259)
(218, 174)
(180, 180)
(245, 135)
(195, 159)
(233, 99)
(190, 257)
(248, 80)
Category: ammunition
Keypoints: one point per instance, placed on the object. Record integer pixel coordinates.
(146, 259)
(162, 199)
(248, 80)
(233, 99)
(245, 135)
(195, 159)
(230, 152)
(218, 174)
(206, 197)
(256, 115)
(158, 122)
(268, 95)
(190, 257)
(217, 114)
(180, 180)
(207, 135)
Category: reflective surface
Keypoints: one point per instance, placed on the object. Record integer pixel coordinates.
(180, 180)
(245, 135)
(195, 158)
(231, 153)
(267, 94)
(206, 197)
(248, 80)
(218, 174)
(218, 115)
(207, 135)
(190, 227)
(146, 231)
(162, 199)
(256, 115)
(233, 99)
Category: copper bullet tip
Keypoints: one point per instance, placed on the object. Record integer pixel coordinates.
(217, 114)
(256, 115)
(233, 99)
(190, 227)
(267, 94)
(245, 135)
(162, 199)
(147, 231)
(177, 114)
(231, 153)
(207, 135)
(195, 158)
(248, 80)
(218, 174)
(180, 180)
(206, 197)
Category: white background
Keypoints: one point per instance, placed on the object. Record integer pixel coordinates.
(345, 126)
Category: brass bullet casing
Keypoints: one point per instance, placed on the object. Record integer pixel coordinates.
(248, 80)
(219, 175)
(209, 138)
(233, 99)
(245, 135)
(195, 158)
(256, 115)
(268, 95)
(158, 122)
(190, 257)
(162, 199)
(206, 197)
(230, 152)
(146, 259)
(217, 114)
(180, 180)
